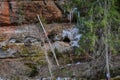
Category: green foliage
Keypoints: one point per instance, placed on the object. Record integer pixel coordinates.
(98, 20)
(34, 54)
(15, 78)
(34, 69)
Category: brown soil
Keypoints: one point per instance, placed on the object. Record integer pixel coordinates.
(13, 68)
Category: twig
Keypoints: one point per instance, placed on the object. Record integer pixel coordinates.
(47, 59)
(106, 43)
(48, 41)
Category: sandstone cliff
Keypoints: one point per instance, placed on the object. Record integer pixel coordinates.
(26, 11)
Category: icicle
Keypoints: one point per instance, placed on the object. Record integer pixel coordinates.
(66, 34)
(108, 76)
(74, 31)
(74, 44)
(77, 38)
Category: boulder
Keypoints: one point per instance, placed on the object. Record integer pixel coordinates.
(29, 40)
(14, 40)
(61, 47)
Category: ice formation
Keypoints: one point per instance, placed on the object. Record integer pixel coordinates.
(73, 35)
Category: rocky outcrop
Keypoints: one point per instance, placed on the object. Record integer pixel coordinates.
(47, 10)
(26, 11)
(4, 12)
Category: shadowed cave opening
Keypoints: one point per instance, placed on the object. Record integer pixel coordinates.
(66, 39)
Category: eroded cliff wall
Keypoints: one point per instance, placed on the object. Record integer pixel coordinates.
(26, 11)
(4, 12)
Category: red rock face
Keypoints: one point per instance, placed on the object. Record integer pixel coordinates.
(4, 13)
(26, 11)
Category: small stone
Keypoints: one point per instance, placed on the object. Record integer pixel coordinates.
(69, 64)
(78, 63)
(58, 78)
(61, 46)
(11, 52)
(12, 40)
